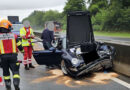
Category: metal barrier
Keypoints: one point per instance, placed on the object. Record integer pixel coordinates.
(122, 58)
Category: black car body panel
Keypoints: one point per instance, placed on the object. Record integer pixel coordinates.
(48, 57)
(79, 29)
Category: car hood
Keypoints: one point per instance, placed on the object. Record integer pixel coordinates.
(79, 28)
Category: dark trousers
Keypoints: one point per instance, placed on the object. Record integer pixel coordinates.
(9, 62)
(47, 45)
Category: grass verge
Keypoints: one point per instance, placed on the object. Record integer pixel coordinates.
(113, 34)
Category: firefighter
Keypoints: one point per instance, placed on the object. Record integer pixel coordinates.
(27, 36)
(9, 45)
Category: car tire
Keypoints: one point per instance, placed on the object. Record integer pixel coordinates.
(63, 68)
(66, 71)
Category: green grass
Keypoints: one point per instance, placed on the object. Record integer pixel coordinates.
(64, 31)
(113, 34)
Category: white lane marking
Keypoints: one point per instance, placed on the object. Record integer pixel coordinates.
(121, 82)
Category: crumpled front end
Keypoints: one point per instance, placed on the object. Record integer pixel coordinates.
(79, 63)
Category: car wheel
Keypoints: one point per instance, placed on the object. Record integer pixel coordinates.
(63, 67)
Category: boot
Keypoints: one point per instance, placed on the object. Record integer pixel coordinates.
(8, 84)
(16, 83)
(26, 67)
(17, 88)
(31, 66)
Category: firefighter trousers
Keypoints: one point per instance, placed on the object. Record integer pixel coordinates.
(9, 62)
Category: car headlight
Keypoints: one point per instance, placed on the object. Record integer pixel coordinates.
(75, 61)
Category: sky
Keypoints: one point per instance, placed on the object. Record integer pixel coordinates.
(23, 8)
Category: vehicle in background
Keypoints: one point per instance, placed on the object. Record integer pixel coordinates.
(56, 26)
(14, 19)
(16, 25)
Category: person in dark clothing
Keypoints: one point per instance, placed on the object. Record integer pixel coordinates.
(48, 37)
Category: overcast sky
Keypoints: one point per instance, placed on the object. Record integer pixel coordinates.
(23, 8)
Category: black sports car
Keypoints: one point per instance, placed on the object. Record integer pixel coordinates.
(78, 52)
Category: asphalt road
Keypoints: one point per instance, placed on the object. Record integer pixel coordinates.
(42, 78)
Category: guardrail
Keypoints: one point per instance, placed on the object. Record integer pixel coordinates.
(122, 58)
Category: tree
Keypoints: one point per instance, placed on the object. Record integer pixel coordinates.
(38, 18)
(96, 5)
(75, 5)
(35, 19)
(112, 16)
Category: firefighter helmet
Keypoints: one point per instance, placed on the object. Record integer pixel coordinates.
(5, 24)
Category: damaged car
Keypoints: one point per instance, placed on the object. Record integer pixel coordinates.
(77, 53)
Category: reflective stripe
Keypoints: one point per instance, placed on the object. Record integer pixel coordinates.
(7, 36)
(25, 62)
(6, 77)
(25, 42)
(17, 64)
(29, 61)
(19, 43)
(16, 76)
(14, 45)
(21, 35)
(1, 46)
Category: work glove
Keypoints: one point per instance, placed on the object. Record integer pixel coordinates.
(31, 36)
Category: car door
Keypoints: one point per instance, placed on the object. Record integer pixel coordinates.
(48, 57)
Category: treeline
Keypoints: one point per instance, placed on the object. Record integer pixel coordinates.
(107, 15)
(110, 15)
(38, 18)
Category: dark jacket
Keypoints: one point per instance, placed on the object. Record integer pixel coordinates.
(47, 36)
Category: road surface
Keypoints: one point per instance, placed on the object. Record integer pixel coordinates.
(42, 78)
